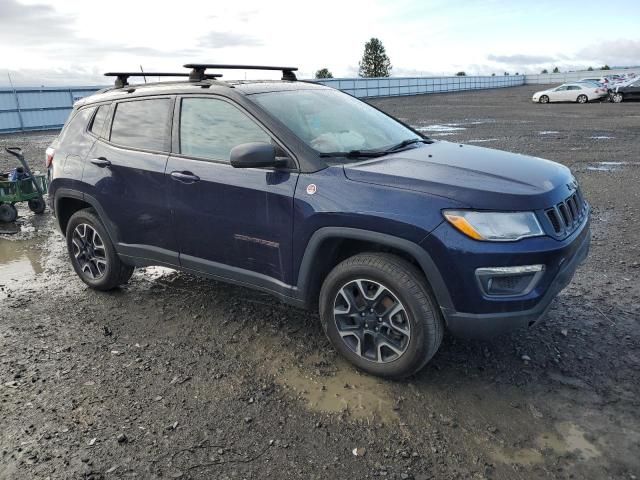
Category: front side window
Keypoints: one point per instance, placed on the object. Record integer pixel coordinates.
(143, 124)
(332, 121)
(210, 128)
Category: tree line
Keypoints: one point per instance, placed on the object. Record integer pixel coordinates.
(376, 63)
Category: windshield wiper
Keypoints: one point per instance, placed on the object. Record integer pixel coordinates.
(375, 153)
(406, 143)
(354, 154)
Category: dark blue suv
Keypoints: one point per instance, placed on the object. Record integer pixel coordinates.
(307, 193)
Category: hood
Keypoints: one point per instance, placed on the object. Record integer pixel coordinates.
(478, 177)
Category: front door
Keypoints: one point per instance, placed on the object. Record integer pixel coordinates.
(234, 223)
(125, 171)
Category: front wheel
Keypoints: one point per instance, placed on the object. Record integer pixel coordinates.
(617, 97)
(582, 99)
(378, 312)
(92, 254)
(544, 99)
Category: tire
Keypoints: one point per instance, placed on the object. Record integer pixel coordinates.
(412, 323)
(37, 205)
(92, 254)
(617, 97)
(582, 99)
(544, 99)
(8, 213)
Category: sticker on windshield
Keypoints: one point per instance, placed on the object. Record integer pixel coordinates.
(311, 188)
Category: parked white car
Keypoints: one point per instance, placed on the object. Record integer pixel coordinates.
(570, 92)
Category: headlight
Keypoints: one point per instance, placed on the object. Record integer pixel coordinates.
(495, 226)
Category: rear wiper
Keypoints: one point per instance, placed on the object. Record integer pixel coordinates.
(406, 143)
(354, 154)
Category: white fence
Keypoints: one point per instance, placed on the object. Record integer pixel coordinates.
(558, 78)
(396, 86)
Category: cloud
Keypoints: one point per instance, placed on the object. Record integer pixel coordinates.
(31, 24)
(41, 28)
(619, 52)
(228, 39)
(521, 59)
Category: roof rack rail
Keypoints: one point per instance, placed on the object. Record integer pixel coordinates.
(198, 69)
(122, 79)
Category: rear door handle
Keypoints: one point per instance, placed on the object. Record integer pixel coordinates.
(101, 162)
(185, 177)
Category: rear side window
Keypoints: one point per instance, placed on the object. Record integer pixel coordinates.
(76, 126)
(142, 124)
(210, 128)
(98, 120)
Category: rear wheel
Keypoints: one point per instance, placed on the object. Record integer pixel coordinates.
(378, 312)
(37, 205)
(617, 97)
(92, 254)
(8, 213)
(544, 99)
(582, 99)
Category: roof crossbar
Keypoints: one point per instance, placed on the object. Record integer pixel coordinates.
(198, 69)
(122, 78)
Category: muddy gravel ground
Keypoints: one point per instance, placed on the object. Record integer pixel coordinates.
(173, 376)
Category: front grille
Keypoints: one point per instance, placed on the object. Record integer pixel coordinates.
(567, 215)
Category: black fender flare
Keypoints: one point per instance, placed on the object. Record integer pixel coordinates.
(63, 193)
(428, 266)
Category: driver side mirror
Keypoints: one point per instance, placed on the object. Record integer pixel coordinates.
(255, 155)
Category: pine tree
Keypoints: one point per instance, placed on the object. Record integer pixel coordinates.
(324, 73)
(545, 71)
(556, 70)
(375, 62)
(461, 74)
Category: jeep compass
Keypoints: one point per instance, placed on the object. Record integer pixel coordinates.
(320, 199)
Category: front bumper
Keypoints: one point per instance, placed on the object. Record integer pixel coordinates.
(487, 325)
(468, 312)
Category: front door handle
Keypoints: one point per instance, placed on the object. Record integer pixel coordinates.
(101, 162)
(185, 177)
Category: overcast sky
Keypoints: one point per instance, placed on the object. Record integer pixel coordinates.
(66, 42)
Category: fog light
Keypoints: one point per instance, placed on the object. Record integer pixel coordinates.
(509, 281)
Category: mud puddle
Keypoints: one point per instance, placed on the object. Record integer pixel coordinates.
(20, 260)
(449, 127)
(606, 166)
(482, 140)
(342, 390)
(346, 391)
(567, 439)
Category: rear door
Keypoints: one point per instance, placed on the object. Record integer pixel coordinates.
(235, 223)
(574, 91)
(125, 172)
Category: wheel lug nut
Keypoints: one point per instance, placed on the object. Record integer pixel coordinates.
(362, 314)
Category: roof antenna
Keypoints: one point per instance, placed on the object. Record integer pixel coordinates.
(143, 75)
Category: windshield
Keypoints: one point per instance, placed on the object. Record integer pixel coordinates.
(332, 121)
